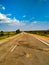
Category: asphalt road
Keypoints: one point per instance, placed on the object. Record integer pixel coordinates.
(24, 49)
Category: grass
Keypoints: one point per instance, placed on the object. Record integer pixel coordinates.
(41, 32)
(7, 34)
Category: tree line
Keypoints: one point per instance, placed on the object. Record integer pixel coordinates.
(40, 32)
(2, 33)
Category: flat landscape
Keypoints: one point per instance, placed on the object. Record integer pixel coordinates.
(24, 32)
(24, 49)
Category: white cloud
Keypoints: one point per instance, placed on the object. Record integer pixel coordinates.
(2, 7)
(4, 18)
(14, 24)
(24, 16)
(34, 22)
(17, 23)
(14, 21)
(36, 25)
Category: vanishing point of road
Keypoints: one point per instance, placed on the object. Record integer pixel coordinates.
(24, 49)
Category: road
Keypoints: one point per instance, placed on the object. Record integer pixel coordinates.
(24, 49)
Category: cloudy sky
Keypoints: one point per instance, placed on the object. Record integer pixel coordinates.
(24, 15)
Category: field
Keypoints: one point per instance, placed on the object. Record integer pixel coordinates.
(41, 32)
(6, 35)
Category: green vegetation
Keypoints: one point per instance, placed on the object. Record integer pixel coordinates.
(4, 35)
(40, 32)
(18, 31)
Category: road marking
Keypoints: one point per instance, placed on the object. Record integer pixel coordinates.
(13, 48)
(3, 56)
(41, 41)
(10, 48)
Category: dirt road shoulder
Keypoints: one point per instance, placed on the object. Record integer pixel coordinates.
(42, 37)
(9, 38)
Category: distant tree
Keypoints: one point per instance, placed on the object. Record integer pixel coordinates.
(2, 33)
(18, 31)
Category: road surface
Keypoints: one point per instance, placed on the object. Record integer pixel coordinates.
(24, 49)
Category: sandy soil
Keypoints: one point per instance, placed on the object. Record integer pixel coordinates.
(42, 37)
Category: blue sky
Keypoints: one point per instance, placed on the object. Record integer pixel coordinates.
(24, 15)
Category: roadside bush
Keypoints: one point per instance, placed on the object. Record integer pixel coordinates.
(17, 31)
(1, 33)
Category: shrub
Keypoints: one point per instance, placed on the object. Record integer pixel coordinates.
(18, 31)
